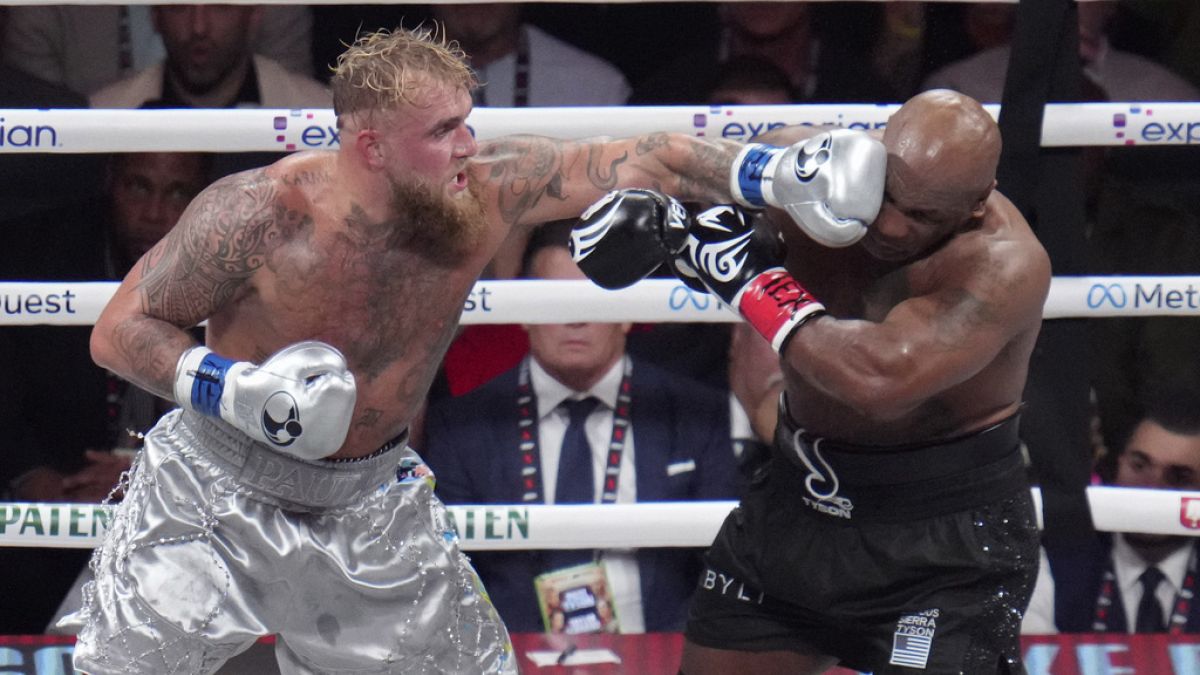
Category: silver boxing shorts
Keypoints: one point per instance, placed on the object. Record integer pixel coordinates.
(220, 540)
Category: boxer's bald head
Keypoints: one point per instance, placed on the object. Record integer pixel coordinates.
(945, 145)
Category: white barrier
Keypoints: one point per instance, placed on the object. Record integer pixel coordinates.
(642, 525)
(78, 303)
(272, 130)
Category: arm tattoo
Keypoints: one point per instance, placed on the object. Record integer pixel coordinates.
(525, 169)
(220, 241)
(601, 176)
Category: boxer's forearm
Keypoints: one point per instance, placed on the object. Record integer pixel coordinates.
(143, 350)
(694, 169)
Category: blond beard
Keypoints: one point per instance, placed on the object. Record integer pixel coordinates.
(443, 229)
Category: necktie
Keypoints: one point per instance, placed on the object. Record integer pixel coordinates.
(1150, 611)
(575, 484)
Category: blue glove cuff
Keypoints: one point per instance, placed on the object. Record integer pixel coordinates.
(209, 383)
(750, 172)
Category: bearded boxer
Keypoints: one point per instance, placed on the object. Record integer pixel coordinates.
(892, 528)
(332, 283)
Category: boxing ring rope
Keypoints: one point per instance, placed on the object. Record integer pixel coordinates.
(640, 525)
(78, 303)
(512, 527)
(274, 130)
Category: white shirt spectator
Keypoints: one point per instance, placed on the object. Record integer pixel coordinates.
(559, 75)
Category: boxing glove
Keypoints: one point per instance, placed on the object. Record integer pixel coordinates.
(831, 184)
(626, 235)
(300, 400)
(743, 266)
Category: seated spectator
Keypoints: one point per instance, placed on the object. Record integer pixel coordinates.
(74, 426)
(210, 63)
(1132, 582)
(521, 65)
(750, 80)
(1122, 76)
(32, 182)
(667, 438)
(784, 33)
(86, 47)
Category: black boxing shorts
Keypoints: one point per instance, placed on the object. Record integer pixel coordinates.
(893, 559)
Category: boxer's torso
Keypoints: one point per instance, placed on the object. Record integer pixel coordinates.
(390, 311)
(854, 285)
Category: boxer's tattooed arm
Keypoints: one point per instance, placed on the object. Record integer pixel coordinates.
(222, 238)
(531, 179)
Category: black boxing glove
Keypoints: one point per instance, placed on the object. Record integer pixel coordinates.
(626, 235)
(743, 266)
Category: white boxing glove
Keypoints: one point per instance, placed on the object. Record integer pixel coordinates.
(300, 400)
(831, 184)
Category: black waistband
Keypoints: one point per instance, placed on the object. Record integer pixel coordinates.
(871, 465)
(890, 483)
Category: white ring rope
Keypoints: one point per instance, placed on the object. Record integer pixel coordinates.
(273, 130)
(641, 525)
(78, 303)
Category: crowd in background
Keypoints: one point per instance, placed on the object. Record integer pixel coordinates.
(70, 428)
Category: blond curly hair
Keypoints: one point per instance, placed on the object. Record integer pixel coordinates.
(386, 69)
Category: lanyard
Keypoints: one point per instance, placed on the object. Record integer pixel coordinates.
(520, 75)
(1180, 608)
(527, 429)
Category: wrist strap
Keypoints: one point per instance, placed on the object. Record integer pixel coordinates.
(776, 305)
(200, 380)
(749, 167)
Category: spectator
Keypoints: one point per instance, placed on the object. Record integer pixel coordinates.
(750, 80)
(784, 33)
(209, 63)
(1132, 582)
(34, 181)
(86, 47)
(1122, 76)
(71, 427)
(676, 447)
(521, 65)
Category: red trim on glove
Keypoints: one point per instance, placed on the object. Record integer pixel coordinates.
(776, 305)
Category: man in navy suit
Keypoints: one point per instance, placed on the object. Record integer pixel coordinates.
(653, 436)
(1133, 582)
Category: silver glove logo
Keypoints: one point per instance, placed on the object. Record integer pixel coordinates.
(722, 260)
(281, 419)
(584, 239)
(812, 156)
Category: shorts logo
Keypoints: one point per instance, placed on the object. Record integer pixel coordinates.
(821, 483)
(913, 639)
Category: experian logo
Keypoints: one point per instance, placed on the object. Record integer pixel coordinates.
(1156, 296)
(310, 136)
(1184, 133)
(26, 136)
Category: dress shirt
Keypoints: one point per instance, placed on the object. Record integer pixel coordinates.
(621, 564)
(1127, 567)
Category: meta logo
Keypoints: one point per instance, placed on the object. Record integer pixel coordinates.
(1184, 133)
(681, 296)
(1156, 296)
(27, 136)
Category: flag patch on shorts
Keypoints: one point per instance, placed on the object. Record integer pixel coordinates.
(914, 639)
